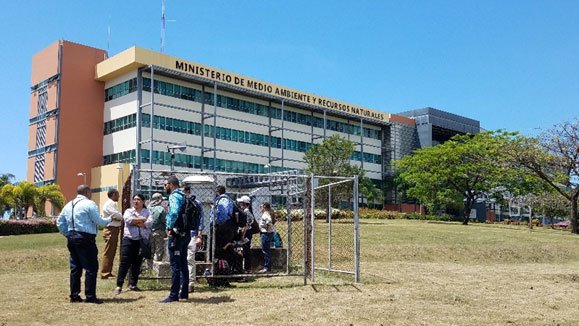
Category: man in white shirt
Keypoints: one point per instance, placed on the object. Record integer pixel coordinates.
(111, 233)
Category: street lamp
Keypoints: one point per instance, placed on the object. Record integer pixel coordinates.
(120, 171)
(171, 150)
(83, 176)
(268, 167)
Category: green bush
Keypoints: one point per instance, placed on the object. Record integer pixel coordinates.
(29, 226)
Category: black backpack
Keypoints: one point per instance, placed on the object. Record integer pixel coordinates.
(189, 215)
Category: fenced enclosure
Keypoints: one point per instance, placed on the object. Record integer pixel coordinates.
(316, 219)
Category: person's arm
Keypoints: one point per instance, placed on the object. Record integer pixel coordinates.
(149, 219)
(112, 210)
(173, 213)
(201, 219)
(93, 212)
(62, 223)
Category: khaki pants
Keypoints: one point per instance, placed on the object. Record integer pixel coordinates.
(111, 237)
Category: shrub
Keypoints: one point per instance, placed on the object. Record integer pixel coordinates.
(29, 226)
(381, 214)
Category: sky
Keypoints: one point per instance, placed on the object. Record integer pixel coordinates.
(511, 65)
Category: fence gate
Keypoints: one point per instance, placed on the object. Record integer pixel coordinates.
(335, 237)
(307, 244)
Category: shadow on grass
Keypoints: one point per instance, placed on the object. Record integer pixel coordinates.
(335, 288)
(212, 300)
(118, 299)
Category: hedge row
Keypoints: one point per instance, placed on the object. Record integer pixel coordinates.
(29, 226)
(365, 213)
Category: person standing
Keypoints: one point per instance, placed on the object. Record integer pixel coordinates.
(158, 234)
(221, 218)
(79, 221)
(196, 242)
(177, 242)
(137, 225)
(111, 233)
(246, 232)
(266, 231)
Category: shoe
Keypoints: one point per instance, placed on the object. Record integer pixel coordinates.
(95, 301)
(134, 288)
(191, 288)
(264, 270)
(183, 299)
(106, 277)
(118, 290)
(76, 299)
(168, 299)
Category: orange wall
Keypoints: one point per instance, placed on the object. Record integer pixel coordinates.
(45, 64)
(80, 127)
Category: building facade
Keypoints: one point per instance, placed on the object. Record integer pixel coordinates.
(95, 117)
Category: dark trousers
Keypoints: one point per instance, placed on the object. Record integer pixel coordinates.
(179, 268)
(130, 259)
(266, 242)
(83, 255)
(247, 252)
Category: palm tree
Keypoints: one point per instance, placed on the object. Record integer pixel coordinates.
(24, 193)
(51, 193)
(6, 178)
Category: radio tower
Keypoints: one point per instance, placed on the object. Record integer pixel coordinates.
(162, 26)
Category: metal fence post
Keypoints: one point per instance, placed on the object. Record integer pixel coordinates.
(329, 227)
(356, 233)
(312, 232)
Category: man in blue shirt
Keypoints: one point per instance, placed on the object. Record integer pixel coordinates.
(177, 244)
(79, 221)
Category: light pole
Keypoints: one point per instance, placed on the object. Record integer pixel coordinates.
(120, 171)
(171, 150)
(268, 167)
(83, 176)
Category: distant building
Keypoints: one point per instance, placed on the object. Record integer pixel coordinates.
(93, 116)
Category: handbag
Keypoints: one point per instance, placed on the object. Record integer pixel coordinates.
(144, 247)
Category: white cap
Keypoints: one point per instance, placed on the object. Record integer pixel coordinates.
(244, 199)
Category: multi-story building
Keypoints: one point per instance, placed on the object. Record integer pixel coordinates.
(92, 116)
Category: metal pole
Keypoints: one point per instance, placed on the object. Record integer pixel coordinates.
(305, 235)
(202, 126)
(356, 233)
(151, 128)
(312, 217)
(282, 134)
(289, 230)
(330, 227)
(214, 126)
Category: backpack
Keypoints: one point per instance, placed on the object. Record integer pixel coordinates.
(220, 267)
(189, 215)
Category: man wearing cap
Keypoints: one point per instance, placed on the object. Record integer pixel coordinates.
(158, 233)
(245, 204)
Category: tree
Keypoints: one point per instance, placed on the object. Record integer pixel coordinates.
(552, 205)
(332, 158)
(465, 167)
(553, 157)
(50, 193)
(6, 178)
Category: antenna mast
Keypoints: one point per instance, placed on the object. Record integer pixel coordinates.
(162, 26)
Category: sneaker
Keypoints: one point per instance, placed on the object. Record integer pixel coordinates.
(106, 277)
(263, 270)
(168, 299)
(95, 301)
(76, 299)
(118, 290)
(183, 299)
(134, 288)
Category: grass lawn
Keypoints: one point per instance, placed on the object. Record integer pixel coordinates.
(413, 273)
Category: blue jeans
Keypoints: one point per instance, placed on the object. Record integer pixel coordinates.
(266, 241)
(83, 255)
(179, 268)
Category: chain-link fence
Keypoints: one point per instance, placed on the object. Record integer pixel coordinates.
(335, 240)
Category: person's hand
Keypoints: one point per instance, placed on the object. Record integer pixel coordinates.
(199, 242)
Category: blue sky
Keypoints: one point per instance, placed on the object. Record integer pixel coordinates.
(509, 64)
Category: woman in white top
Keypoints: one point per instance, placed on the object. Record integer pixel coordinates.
(138, 221)
(266, 231)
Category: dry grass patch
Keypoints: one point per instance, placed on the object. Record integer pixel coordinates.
(414, 273)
